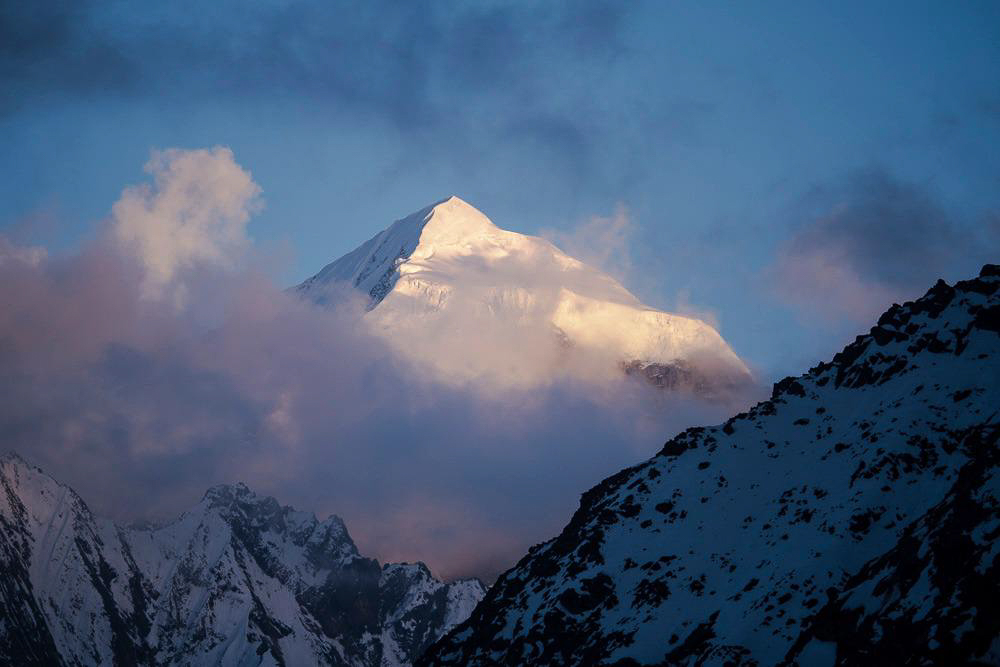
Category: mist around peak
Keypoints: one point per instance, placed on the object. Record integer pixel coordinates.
(142, 370)
(466, 302)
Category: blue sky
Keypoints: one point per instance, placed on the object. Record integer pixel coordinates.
(726, 130)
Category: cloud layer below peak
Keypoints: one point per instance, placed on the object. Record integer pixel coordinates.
(160, 360)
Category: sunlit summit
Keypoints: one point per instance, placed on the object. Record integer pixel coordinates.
(467, 299)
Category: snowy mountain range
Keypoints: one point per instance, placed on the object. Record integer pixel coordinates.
(853, 518)
(450, 290)
(238, 580)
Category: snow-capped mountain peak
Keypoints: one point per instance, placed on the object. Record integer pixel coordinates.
(450, 290)
(237, 580)
(454, 221)
(449, 228)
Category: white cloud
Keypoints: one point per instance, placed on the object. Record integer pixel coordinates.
(194, 214)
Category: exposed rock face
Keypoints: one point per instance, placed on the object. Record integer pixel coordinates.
(683, 376)
(853, 518)
(446, 276)
(238, 580)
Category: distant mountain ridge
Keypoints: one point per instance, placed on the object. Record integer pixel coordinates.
(446, 275)
(238, 580)
(853, 518)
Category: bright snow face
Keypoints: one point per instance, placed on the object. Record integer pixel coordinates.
(466, 300)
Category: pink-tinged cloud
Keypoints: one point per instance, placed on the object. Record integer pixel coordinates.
(878, 241)
(194, 213)
(142, 400)
(824, 286)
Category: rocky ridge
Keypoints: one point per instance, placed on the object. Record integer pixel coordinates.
(853, 518)
(238, 580)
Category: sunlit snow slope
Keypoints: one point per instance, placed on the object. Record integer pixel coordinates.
(452, 290)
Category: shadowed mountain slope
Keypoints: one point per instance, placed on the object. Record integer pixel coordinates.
(238, 580)
(853, 518)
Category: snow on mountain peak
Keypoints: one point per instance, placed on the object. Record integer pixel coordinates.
(454, 221)
(238, 580)
(465, 299)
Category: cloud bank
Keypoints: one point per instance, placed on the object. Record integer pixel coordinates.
(154, 363)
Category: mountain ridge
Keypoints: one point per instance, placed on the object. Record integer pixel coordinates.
(852, 518)
(238, 579)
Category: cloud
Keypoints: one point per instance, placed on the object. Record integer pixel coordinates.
(683, 306)
(443, 83)
(30, 255)
(600, 241)
(872, 240)
(195, 213)
(142, 407)
(382, 57)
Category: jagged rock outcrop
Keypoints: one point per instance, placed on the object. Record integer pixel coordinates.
(238, 580)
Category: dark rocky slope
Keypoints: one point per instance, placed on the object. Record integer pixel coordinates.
(853, 518)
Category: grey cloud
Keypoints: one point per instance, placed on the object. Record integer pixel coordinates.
(389, 58)
(50, 49)
(524, 83)
(886, 230)
(871, 240)
(559, 136)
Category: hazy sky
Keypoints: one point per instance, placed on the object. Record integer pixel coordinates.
(782, 169)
